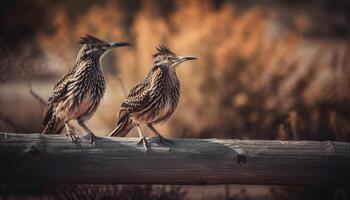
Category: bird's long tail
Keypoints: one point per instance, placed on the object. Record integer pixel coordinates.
(125, 124)
(50, 126)
(50, 121)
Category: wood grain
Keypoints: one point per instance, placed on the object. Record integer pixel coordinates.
(54, 159)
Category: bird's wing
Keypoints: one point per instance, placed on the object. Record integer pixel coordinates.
(60, 88)
(58, 92)
(137, 99)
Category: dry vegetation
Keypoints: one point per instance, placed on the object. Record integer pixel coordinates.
(255, 78)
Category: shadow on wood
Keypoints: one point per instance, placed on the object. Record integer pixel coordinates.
(54, 159)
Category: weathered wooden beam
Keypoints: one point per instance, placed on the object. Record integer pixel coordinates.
(53, 159)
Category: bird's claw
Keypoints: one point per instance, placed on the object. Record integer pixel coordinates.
(73, 138)
(93, 138)
(143, 141)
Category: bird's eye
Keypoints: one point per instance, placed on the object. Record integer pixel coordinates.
(92, 50)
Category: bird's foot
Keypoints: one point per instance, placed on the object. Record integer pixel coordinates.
(163, 141)
(72, 136)
(143, 141)
(93, 138)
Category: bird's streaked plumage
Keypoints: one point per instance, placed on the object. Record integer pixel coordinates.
(153, 100)
(78, 93)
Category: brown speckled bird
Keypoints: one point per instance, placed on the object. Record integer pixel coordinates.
(77, 95)
(153, 100)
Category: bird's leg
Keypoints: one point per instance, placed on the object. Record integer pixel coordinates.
(160, 139)
(143, 141)
(92, 135)
(70, 133)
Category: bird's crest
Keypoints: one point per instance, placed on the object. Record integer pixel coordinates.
(89, 39)
(162, 50)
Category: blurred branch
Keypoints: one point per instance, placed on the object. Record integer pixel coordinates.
(35, 95)
(42, 102)
(15, 127)
(5, 70)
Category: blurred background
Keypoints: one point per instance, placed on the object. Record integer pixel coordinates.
(266, 70)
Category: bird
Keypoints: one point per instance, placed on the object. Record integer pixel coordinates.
(78, 93)
(153, 100)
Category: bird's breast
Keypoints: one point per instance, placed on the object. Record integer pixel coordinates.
(159, 109)
(81, 100)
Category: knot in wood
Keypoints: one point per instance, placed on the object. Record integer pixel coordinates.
(241, 159)
(34, 150)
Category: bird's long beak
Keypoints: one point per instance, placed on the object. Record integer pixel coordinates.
(185, 58)
(118, 44)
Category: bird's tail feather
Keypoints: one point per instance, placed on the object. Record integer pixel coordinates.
(50, 125)
(125, 124)
(47, 114)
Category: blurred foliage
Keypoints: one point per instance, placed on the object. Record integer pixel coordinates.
(266, 69)
(255, 74)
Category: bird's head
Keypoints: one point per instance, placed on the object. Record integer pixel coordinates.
(94, 48)
(165, 57)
